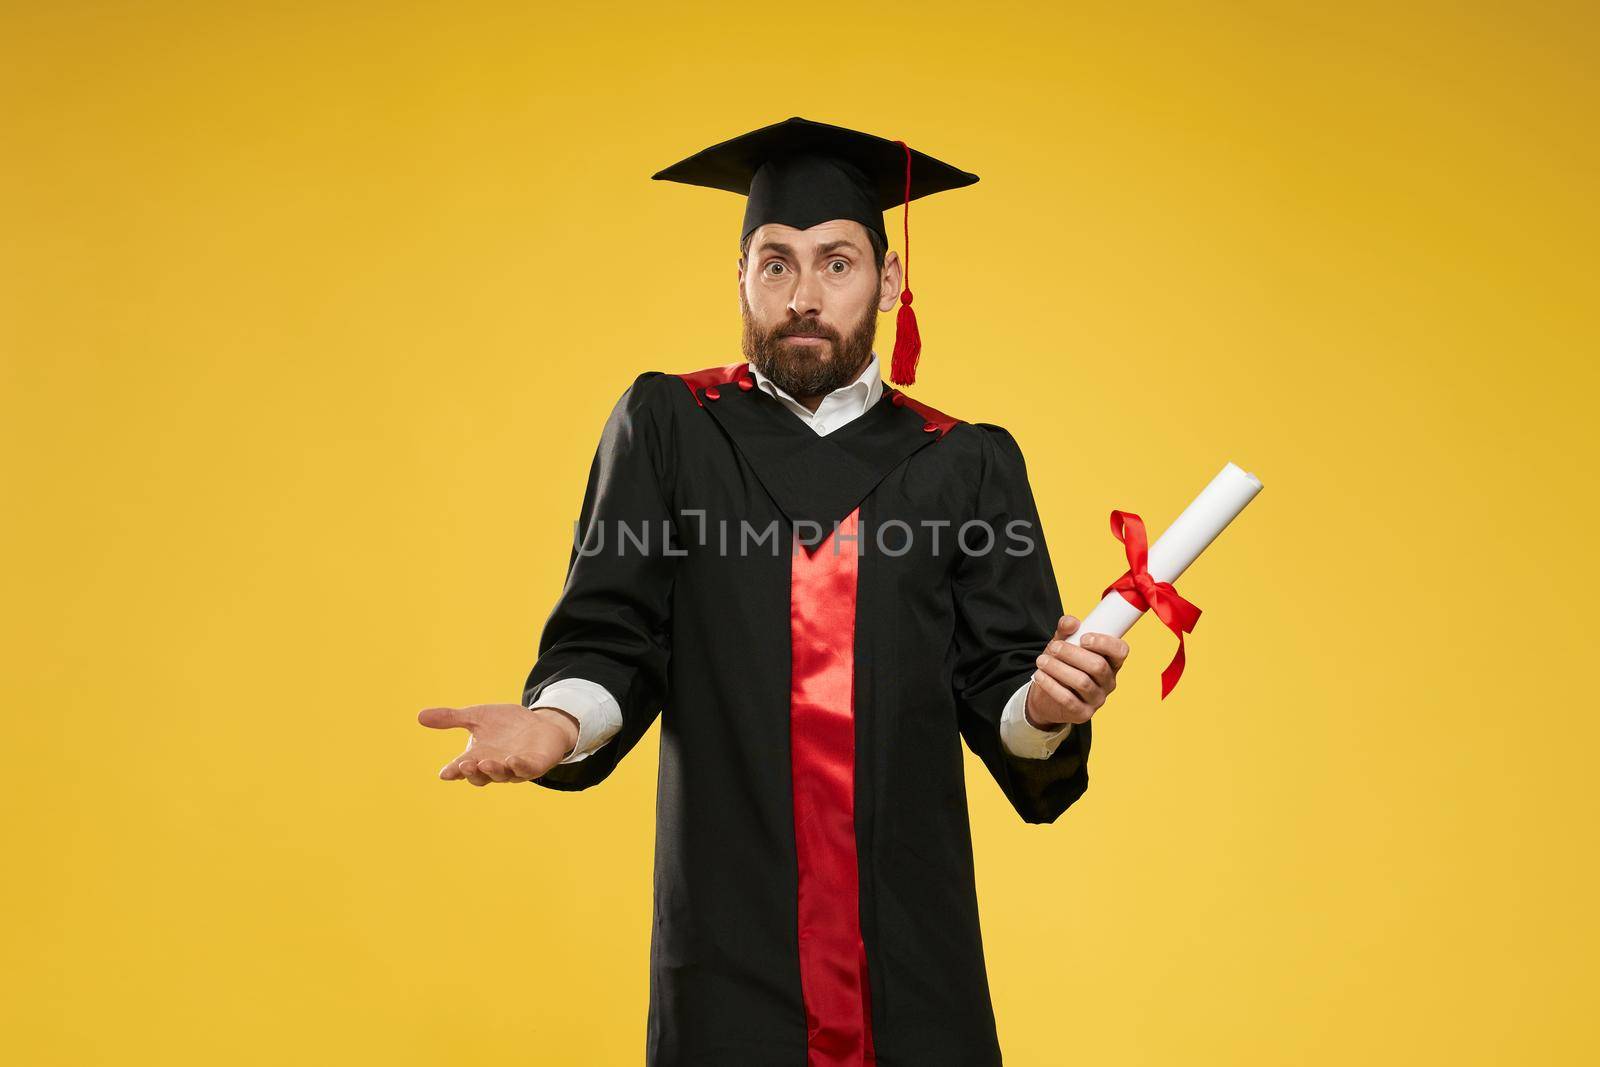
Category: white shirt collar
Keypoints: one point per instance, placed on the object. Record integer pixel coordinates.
(843, 405)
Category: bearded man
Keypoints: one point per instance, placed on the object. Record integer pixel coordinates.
(822, 588)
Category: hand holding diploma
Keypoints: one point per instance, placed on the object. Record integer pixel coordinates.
(1073, 681)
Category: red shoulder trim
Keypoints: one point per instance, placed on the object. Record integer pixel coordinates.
(712, 377)
(935, 419)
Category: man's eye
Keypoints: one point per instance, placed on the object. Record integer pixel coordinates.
(773, 264)
(841, 264)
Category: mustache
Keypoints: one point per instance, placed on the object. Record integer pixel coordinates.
(806, 329)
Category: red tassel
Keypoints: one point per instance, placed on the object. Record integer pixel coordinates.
(907, 339)
(907, 343)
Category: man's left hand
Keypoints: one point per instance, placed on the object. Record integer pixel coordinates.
(1073, 681)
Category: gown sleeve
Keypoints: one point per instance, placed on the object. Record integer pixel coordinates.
(1007, 604)
(610, 625)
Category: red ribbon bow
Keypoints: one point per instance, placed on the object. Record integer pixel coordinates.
(1147, 594)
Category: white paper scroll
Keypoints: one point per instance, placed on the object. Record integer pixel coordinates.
(1206, 517)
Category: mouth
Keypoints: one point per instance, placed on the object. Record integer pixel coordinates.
(804, 339)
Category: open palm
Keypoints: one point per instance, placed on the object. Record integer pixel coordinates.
(509, 743)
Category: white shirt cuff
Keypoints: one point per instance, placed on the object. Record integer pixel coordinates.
(1021, 737)
(597, 711)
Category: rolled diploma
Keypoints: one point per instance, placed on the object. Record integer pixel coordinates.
(1205, 517)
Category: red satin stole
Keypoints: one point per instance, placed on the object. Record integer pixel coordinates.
(833, 958)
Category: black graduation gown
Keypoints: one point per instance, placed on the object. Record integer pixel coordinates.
(781, 938)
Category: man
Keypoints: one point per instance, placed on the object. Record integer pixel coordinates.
(822, 587)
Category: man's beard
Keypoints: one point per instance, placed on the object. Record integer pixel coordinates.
(798, 369)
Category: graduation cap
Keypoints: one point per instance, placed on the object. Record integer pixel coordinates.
(801, 173)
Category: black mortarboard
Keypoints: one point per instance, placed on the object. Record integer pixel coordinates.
(801, 173)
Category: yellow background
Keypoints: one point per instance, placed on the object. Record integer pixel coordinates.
(310, 315)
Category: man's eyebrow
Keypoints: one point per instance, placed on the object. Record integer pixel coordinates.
(831, 246)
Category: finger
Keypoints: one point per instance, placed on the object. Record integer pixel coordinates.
(446, 718)
(1086, 660)
(452, 772)
(1074, 679)
(1114, 649)
(469, 767)
(1073, 709)
(1065, 626)
(522, 767)
(495, 769)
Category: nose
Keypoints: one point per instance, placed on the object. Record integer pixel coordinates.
(807, 298)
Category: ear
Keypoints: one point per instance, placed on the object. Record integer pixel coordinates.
(889, 287)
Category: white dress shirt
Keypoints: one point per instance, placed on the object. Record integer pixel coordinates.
(600, 716)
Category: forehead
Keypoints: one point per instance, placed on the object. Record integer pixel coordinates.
(812, 237)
